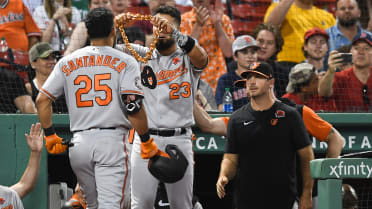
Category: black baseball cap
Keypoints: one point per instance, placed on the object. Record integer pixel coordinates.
(260, 68)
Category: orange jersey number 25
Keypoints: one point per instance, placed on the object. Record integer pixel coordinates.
(97, 87)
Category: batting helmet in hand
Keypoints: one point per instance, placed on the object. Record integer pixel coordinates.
(169, 170)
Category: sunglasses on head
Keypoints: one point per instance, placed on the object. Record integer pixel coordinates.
(365, 95)
(51, 56)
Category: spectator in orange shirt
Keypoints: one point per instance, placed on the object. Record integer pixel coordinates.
(17, 26)
(207, 23)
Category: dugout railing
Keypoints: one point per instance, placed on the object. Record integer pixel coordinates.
(14, 152)
(332, 172)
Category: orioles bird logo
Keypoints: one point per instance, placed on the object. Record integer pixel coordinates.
(274, 121)
(2, 201)
(176, 60)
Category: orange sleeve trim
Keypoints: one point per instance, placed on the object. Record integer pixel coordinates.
(225, 120)
(47, 94)
(132, 92)
(315, 125)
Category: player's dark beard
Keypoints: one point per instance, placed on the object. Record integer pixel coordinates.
(347, 23)
(164, 44)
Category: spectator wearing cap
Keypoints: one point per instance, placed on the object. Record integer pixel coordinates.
(303, 89)
(245, 53)
(270, 41)
(347, 27)
(43, 59)
(351, 88)
(294, 18)
(316, 47)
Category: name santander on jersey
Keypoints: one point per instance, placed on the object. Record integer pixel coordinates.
(91, 61)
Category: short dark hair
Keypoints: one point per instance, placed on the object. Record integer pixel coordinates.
(99, 22)
(171, 11)
(278, 37)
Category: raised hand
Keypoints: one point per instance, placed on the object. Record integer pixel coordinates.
(35, 139)
(163, 24)
(216, 12)
(202, 15)
(61, 12)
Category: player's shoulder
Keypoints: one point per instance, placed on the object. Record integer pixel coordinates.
(285, 110)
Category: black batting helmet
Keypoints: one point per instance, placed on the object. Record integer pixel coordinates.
(169, 170)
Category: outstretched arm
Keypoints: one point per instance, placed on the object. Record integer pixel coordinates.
(335, 143)
(277, 15)
(208, 124)
(28, 180)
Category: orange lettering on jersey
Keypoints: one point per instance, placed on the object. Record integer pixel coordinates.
(71, 65)
(85, 60)
(79, 63)
(113, 63)
(120, 67)
(66, 70)
(107, 60)
(91, 60)
(99, 60)
(165, 76)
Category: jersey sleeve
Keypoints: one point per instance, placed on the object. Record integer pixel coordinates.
(130, 80)
(231, 143)
(16, 200)
(300, 137)
(54, 85)
(315, 125)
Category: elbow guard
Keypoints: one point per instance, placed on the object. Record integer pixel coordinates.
(132, 103)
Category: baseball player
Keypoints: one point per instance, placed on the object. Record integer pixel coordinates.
(104, 99)
(177, 63)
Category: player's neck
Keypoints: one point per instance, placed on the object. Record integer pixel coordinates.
(101, 42)
(263, 102)
(168, 51)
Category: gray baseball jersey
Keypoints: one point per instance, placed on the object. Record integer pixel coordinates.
(170, 104)
(9, 198)
(92, 79)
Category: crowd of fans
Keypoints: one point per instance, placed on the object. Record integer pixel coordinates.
(320, 59)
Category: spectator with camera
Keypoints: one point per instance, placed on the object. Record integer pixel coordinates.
(347, 27)
(351, 88)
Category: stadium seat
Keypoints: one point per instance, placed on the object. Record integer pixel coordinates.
(244, 27)
(183, 9)
(139, 10)
(246, 11)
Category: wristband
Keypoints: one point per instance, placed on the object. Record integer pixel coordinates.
(145, 137)
(185, 42)
(49, 131)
